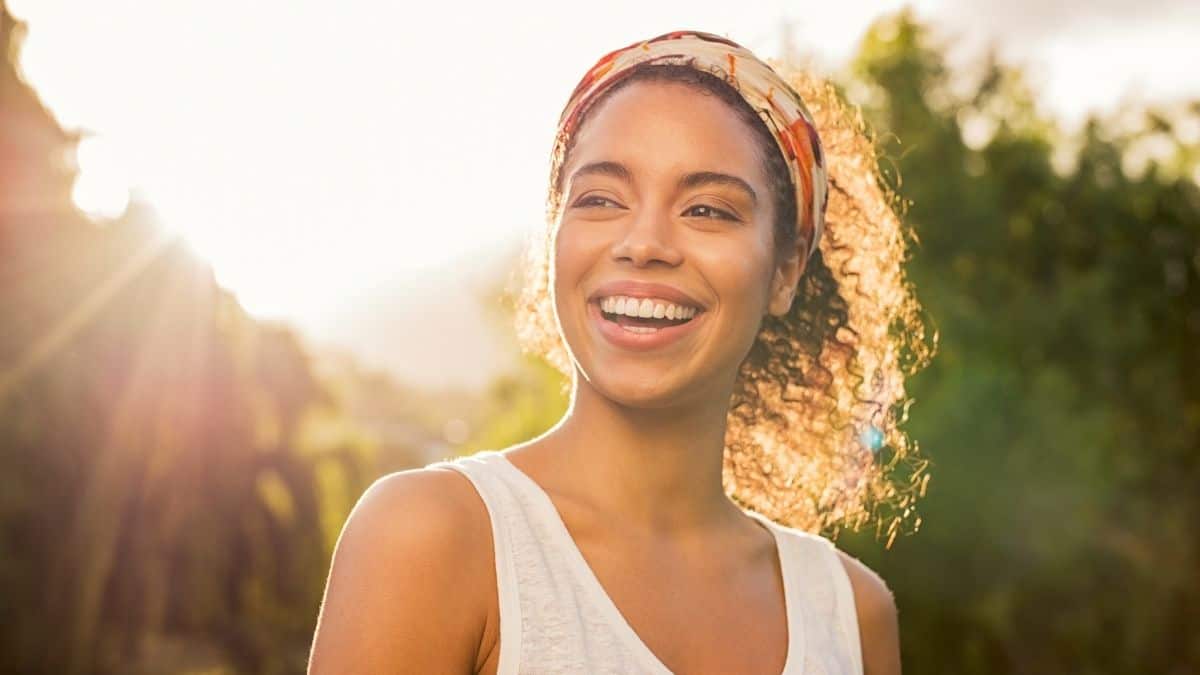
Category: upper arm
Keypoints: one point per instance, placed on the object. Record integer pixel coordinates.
(406, 587)
(878, 623)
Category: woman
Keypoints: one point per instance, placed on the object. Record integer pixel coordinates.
(688, 208)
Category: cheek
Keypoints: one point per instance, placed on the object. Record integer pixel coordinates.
(741, 280)
(575, 250)
(567, 253)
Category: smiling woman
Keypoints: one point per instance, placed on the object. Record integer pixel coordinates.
(821, 391)
(722, 280)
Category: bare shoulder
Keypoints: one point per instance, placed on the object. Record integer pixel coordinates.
(420, 515)
(435, 506)
(878, 621)
(408, 586)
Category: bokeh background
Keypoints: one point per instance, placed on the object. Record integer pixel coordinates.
(254, 256)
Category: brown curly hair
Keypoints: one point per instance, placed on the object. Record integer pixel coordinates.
(813, 436)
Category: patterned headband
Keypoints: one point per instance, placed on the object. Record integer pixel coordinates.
(779, 106)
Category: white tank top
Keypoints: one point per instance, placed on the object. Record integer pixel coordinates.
(555, 617)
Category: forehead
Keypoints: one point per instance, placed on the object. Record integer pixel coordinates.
(667, 127)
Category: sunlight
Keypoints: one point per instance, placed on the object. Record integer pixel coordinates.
(73, 321)
(102, 188)
(310, 164)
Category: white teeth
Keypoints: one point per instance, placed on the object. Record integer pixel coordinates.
(646, 308)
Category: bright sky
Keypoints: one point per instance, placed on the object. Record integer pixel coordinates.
(311, 151)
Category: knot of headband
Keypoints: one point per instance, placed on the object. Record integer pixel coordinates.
(779, 106)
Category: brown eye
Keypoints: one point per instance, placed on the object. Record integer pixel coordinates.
(706, 211)
(594, 201)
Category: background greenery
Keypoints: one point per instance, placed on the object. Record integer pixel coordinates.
(173, 472)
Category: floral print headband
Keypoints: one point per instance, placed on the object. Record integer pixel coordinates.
(779, 106)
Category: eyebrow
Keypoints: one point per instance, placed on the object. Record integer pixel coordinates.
(695, 180)
(688, 182)
(613, 169)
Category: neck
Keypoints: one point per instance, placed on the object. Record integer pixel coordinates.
(658, 469)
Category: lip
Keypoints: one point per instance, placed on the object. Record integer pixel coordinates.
(645, 289)
(639, 342)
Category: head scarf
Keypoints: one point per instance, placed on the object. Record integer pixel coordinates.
(779, 106)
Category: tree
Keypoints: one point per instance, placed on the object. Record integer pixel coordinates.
(1062, 415)
(156, 481)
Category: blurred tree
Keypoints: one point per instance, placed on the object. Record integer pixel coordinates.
(519, 406)
(155, 481)
(524, 403)
(1062, 415)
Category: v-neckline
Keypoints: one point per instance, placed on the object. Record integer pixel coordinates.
(793, 611)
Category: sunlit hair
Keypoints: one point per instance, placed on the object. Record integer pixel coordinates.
(813, 438)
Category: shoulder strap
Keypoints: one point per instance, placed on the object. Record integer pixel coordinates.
(828, 598)
(847, 613)
(480, 471)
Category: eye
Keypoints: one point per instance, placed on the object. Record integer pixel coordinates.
(706, 211)
(594, 201)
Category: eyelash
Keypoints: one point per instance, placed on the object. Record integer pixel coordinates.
(721, 214)
(589, 201)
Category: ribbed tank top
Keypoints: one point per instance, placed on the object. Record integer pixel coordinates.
(555, 617)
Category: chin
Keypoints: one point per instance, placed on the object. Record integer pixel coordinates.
(640, 387)
(650, 398)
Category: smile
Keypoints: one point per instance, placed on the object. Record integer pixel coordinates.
(628, 326)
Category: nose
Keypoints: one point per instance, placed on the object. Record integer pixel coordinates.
(646, 239)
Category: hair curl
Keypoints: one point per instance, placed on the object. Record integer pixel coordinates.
(813, 435)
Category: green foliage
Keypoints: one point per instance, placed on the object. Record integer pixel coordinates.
(1061, 528)
(520, 406)
(160, 485)
(161, 507)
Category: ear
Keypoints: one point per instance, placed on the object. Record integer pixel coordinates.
(785, 281)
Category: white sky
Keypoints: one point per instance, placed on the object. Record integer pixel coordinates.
(312, 151)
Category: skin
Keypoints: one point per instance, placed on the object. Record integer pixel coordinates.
(634, 467)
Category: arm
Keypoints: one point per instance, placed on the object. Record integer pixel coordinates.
(878, 624)
(408, 582)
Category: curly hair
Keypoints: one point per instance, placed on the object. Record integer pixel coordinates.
(813, 437)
